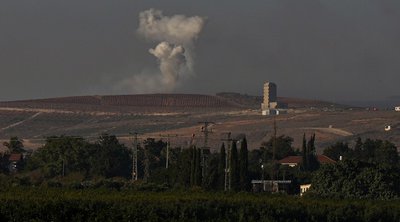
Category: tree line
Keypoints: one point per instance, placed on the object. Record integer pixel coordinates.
(67, 157)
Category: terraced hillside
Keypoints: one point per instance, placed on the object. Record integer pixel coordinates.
(128, 103)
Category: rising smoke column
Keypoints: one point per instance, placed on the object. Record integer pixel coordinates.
(175, 36)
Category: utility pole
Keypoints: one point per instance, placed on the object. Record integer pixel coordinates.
(146, 164)
(135, 157)
(205, 131)
(227, 179)
(168, 147)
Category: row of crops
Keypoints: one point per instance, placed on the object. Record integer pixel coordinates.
(52, 204)
(177, 100)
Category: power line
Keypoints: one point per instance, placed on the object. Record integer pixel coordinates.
(135, 157)
(227, 179)
(168, 136)
(206, 132)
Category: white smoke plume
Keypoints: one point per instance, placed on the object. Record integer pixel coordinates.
(175, 51)
(177, 29)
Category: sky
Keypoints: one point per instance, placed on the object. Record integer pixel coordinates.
(318, 49)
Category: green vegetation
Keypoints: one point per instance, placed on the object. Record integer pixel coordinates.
(374, 151)
(63, 155)
(370, 170)
(15, 145)
(72, 179)
(310, 162)
(54, 204)
(357, 179)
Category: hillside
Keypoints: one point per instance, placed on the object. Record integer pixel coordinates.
(143, 103)
(254, 102)
(155, 114)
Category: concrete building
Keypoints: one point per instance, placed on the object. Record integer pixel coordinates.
(270, 104)
(270, 96)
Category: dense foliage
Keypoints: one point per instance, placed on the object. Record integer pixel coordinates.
(357, 179)
(65, 154)
(374, 151)
(105, 205)
(14, 145)
(310, 162)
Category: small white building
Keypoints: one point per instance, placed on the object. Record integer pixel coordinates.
(397, 108)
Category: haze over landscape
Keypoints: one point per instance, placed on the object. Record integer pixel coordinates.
(145, 110)
(336, 51)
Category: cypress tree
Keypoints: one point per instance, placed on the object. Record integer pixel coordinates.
(304, 153)
(312, 161)
(358, 148)
(234, 171)
(243, 165)
(221, 167)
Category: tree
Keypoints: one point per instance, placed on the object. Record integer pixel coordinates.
(184, 168)
(337, 150)
(61, 155)
(197, 172)
(193, 166)
(110, 158)
(376, 151)
(309, 158)
(357, 179)
(153, 160)
(358, 153)
(211, 180)
(15, 145)
(313, 163)
(234, 170)
(304, 153)
(243, 165)
(369, 147)
(283, 147)
(387, 153)
(221, 167)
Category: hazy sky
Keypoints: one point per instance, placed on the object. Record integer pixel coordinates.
(333, 50)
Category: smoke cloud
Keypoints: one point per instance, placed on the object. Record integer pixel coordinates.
(175, 51)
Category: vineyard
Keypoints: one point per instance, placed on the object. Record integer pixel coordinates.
(55, 204)
(150, 103)
(127, 103)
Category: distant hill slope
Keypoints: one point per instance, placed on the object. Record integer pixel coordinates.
(122, 103)
(255, 101)
(159, 103)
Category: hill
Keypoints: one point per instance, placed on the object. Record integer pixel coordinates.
(156, 114)
(128, 103)
(255, 101)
